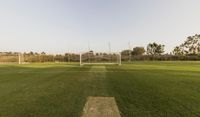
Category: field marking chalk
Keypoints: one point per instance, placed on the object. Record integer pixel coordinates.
(101, 107)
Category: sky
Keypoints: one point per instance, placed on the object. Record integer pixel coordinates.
(59, 26)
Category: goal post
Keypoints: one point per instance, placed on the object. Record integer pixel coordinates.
(20, 58)
(11, 58)
(90, 58)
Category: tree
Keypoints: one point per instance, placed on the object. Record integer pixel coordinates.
(155, 49)
(190, 47)
(126, 52)
(177, 51)
(43, 53)
(138, 51)
(31, 53)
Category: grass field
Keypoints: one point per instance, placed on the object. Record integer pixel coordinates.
(141, 89)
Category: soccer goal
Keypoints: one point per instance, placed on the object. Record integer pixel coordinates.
(11, 58)
(90, 58)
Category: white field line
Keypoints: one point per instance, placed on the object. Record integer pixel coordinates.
(101, 107)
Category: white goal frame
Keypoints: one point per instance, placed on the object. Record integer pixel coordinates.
(19, 58)
(117, 62)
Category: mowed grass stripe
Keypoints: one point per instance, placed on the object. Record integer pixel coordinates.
(52, 94)
(141, 89)
(37, 95)
(97, 82)
(155, 93)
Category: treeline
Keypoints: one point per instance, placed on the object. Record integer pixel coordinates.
(165, 57)
(188, 50)
(43, 57)
(38, 57)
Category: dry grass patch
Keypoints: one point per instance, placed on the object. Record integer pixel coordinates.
(101, 107)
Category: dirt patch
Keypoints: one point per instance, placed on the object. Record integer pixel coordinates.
(101, 107)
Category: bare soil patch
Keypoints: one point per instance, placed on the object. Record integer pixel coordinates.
(101, 107)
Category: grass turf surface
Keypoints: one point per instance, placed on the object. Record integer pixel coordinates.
(141, 89)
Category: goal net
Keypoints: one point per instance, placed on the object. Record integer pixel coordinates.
(100, 58)
(9, 58)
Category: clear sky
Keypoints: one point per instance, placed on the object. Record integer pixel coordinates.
(58, 26)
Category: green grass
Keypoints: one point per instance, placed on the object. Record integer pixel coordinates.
(141, 89)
